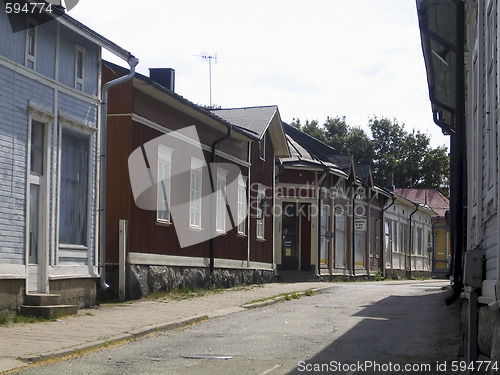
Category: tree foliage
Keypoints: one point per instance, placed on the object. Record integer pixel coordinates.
(389, 149)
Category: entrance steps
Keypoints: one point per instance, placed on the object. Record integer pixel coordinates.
(46, 306)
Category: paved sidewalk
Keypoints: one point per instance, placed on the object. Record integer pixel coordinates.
(21, 344)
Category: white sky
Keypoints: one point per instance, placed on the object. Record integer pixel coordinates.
(313, 59)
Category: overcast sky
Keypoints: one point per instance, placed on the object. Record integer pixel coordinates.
(313, 59)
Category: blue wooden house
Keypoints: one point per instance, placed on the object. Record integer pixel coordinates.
(50, 99)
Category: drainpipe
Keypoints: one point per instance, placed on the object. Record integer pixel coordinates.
(458, 174)
(411, 236)
(324, 177)
(382, 236)
(434, 249)
(212, 185)
(102, 164)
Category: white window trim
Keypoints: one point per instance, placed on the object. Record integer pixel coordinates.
(260, 228)
(242, 213)
(27, 56)
(262, 148)
(220, 207)
(164, 157)
(79, 81)
(80, 128)
(196, 170)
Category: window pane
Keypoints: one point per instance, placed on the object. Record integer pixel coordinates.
(37, 144)
(79, 64)
(34, 221)
(163, 190)
(74, 189)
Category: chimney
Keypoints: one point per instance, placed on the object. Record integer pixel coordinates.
(390, 182)
(164, 77)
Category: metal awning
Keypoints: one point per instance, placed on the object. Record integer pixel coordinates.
(438, 31)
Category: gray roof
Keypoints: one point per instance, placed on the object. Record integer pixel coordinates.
(254, 119)
(257, 121)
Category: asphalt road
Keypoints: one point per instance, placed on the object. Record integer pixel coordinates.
(350, 328)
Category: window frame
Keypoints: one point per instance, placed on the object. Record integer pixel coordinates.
(79, 81)
(260, 222)
(31, 24)
(164, 158)
(220, 201)
(242, 206)
(196, 175)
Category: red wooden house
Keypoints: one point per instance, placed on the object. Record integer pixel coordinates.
(330, 222)
(179, 190)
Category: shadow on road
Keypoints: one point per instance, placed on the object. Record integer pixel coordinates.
(396, 331)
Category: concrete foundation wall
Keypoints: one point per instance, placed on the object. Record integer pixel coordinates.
(489, 333)
(79, 292)
(142, 280)
(11, 294)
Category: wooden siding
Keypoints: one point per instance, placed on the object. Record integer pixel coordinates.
(20, 86)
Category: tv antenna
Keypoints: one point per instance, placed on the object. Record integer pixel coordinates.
(205, 56)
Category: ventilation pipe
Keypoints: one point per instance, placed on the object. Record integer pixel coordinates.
(102, 163)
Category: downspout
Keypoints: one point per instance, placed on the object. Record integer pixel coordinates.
(411, 236)
(212, 185)
(353, 234)
(324, 177)
(102, 165)
(434, 249)
(458, 175)
(382, 236)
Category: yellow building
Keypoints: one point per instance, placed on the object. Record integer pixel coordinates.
(441, 234)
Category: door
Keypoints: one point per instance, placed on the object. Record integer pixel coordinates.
(36, 216)
(289, 243)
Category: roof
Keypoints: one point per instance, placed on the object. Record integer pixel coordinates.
(433, 198)
(154, 89)
(258, 120)
(58, 13)
(438, 32)
(303, 147)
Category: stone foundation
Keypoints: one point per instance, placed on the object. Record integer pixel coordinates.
(11, 294)
(79, 292)
(142, 280)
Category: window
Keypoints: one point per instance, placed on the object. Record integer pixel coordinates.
(30, 49)
(388, 236)
(262, 148)
(163, 184)
(195, 193)
(220, 208)
(420, 239)
(79, 67)
(242, 205)
(36, 189)
(339, 239)
(260, 212)
(74, 188)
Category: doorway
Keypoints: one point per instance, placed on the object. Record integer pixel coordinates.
(290, 238)
(36, 217)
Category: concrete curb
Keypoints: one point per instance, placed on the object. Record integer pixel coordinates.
(123, 338)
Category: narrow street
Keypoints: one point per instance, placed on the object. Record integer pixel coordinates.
(349, 328)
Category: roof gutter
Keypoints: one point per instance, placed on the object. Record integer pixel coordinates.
(132, 61)
(212, 185)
